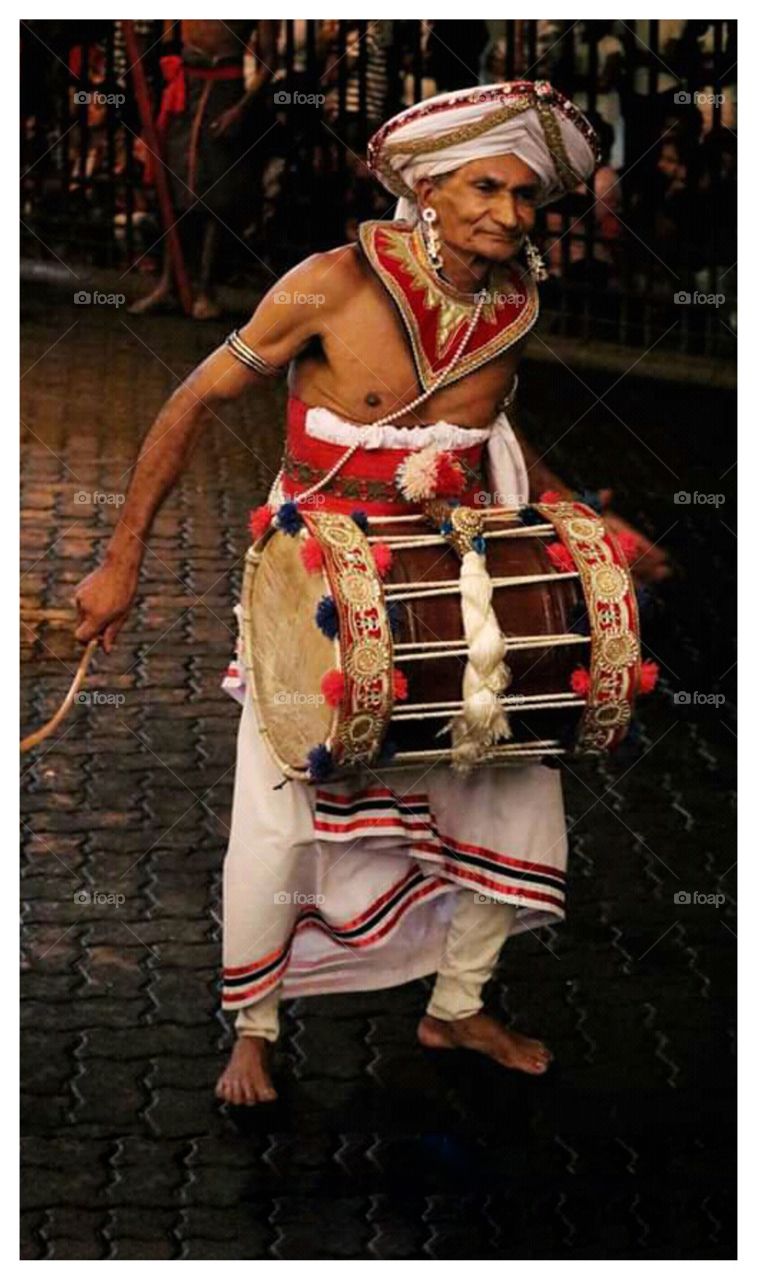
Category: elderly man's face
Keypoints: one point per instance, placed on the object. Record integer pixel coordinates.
(486, 207)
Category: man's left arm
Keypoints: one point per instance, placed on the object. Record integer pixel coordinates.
(264, 52)
(651, 563)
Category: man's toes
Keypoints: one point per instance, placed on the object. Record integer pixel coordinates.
(263, 1088)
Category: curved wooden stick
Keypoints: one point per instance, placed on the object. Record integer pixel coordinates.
(39, 735)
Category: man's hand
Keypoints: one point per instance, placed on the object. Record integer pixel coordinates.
(649, 563)
(103, 600)
(228, 124)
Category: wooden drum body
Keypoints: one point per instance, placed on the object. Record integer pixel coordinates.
(327, 696)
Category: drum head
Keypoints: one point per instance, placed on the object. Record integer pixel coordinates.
(286, 654)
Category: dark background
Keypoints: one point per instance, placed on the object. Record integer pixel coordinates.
(376, 1149)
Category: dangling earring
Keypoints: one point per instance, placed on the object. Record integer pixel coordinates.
(431, 238)
(535, 261)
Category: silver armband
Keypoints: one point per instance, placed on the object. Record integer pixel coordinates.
(246, 356)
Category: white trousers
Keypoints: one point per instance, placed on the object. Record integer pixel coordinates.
(477, 932)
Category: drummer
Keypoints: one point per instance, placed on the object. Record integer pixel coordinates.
(331, 887)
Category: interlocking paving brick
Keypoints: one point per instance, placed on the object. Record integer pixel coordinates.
(376, 1148)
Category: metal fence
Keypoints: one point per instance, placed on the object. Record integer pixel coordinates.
(646, 257)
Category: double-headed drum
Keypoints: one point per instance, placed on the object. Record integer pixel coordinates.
(378, 647)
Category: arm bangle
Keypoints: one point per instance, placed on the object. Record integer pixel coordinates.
(246, 356)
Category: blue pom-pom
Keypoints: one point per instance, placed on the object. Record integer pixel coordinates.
(360, 518)
(453, 502)
(590, 499)
(479, 544)
(578, 619)
(327, 618)
(288, 518)
(320, 763)
(445, 527)
(394, 615)
(388, 751)
(529, 515)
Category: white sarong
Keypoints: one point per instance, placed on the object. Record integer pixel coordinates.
(350, 885)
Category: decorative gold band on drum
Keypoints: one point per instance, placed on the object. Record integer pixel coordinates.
(362, 646)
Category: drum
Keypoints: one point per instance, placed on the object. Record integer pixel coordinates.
(374, 643)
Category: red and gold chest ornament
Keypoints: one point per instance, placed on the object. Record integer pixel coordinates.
(435, 314)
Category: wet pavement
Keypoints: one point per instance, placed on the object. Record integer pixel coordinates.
(377, 1149)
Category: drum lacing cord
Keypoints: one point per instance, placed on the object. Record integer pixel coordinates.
(483, 720)
(398, 413)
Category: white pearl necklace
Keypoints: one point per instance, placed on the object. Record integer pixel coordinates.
(405, 408)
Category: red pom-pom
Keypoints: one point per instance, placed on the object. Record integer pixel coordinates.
(332, 687)
(400, 685)
(450, 480)
(580, 681)
(629, 545)
(561, 557)
(648, 678)
(311, 555)
(382, 558)
(260, 519)
(550, 496)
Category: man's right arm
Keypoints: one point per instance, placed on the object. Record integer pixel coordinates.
(283, 323)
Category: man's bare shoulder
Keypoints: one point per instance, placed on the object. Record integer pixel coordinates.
(327, 279)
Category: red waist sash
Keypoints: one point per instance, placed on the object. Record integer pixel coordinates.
(367, 479)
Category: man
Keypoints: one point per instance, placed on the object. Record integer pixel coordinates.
(412, 328)
(210, 127)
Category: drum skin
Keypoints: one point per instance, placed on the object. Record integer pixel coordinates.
(285, 652)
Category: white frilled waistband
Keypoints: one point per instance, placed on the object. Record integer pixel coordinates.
(508, 474)
(322, 424)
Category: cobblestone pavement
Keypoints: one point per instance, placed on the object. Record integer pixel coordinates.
(376, 1149)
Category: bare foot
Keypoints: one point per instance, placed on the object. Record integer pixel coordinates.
(161, 297)
(487, 1036)
(246, 1079)
(205, 308)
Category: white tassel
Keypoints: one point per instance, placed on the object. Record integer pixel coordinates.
(483, 720)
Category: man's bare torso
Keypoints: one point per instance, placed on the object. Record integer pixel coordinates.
(356, 359)
(215, 38)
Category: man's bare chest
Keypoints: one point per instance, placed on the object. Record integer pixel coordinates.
(369, 355)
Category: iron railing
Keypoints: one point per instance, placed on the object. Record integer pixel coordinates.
(658, 226)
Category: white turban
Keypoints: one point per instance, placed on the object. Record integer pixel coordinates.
(528, 119)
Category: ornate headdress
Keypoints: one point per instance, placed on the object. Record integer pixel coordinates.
(529, 119)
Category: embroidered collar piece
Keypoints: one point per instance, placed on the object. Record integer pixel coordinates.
(436, 314)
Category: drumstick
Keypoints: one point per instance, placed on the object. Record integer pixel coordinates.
(39, 735)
